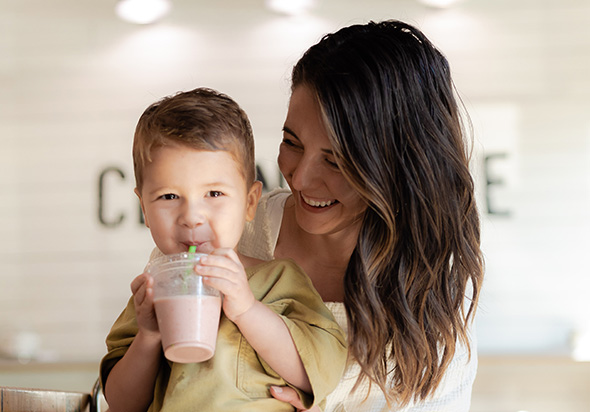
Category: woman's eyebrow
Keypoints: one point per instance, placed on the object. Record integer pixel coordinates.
(291, 132)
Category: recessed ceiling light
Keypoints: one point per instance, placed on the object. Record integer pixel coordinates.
(142, 11)
(290, 7)
(439, 4)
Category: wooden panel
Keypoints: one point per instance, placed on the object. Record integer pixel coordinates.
(37, 400)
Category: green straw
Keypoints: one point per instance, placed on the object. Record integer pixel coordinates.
(189, 269)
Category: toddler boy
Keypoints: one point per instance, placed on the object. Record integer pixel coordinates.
(193, 156)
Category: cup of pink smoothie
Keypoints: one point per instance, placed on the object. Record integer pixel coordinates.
(187, 310)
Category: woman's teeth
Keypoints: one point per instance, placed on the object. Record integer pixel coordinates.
(318, 204)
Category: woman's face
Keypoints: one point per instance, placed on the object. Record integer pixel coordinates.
(325, 202)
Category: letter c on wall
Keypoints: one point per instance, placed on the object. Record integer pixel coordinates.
(101, 181)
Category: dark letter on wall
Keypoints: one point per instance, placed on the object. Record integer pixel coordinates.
(493, 182)
(117, 221)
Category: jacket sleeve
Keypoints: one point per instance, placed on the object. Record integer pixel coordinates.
(118, 340)
(320, 342)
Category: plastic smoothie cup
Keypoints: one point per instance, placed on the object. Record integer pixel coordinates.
(187, 310)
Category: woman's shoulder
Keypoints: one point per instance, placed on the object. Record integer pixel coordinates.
(260, 235)
(274, 199)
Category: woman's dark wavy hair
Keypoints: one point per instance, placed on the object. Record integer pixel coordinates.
(394, 121)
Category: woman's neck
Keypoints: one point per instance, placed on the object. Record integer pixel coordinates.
(323, 257)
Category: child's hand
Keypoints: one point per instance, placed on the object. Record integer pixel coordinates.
(143, 298)
(224, 271)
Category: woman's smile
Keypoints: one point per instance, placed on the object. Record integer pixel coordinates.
(318, 203)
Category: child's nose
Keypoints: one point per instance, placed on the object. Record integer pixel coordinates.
(192, 215)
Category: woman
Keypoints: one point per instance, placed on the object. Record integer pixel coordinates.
(381, 215)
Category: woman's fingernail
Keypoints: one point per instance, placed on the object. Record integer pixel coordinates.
(278, 389)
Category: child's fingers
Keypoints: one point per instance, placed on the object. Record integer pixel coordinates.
(220, 268)
(221, 258)
(228, 253)
(137, 283)
(221, 285)
(141, 287)
(222, 272)
(219, 279)
(223, 275)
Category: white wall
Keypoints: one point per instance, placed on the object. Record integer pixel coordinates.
(74, 80)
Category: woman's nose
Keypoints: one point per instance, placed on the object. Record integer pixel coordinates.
(305, 173)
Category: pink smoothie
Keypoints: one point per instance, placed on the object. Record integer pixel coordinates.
(188, 325)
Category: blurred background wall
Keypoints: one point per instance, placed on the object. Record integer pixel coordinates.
(74, 79)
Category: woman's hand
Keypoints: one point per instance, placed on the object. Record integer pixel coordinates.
(223, 270)
(289, 395)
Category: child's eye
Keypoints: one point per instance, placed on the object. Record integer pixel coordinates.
(215, 193)
(169, 196)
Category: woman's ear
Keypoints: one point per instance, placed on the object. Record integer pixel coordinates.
(252, 201)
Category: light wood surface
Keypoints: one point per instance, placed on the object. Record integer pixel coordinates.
(38, 400)
(503, 383)
(531, 384)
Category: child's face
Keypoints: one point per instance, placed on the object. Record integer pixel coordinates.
(194, 197)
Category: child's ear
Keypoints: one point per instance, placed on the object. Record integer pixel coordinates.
(252, 201)
(145, 218)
